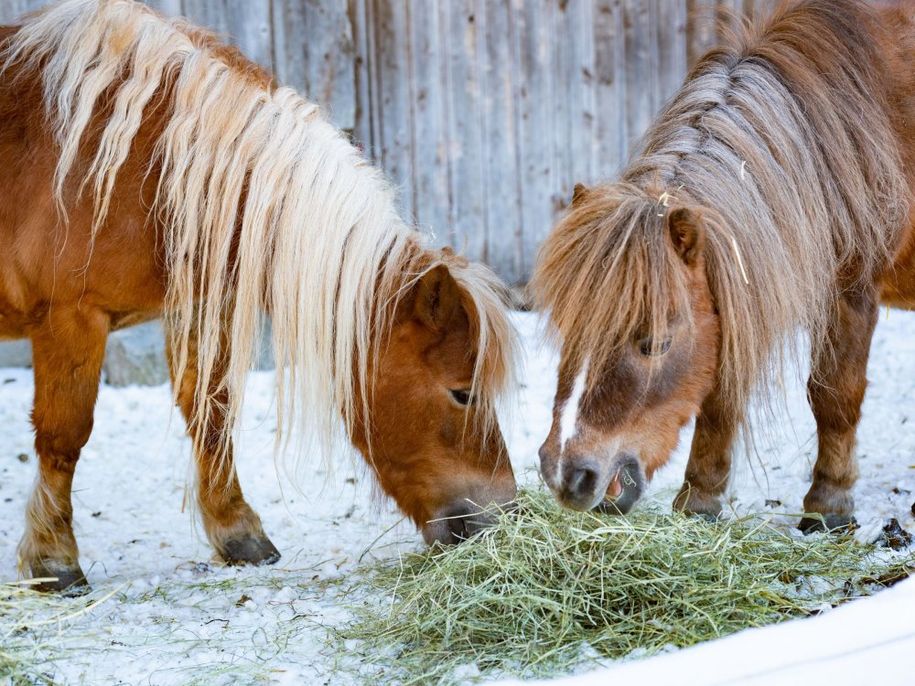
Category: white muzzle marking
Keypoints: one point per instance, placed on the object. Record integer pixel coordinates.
(568, 420)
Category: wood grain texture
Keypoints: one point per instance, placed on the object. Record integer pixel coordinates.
(170, 8)
(465, 126)
(502, 188)
(314, 52)
(541, 187)
(428, 114)
(246, 23)
(11, 10)
(702, 16)
(366, 130)
(610, 88)
(671, 39)
(393, 86)
(484, 113)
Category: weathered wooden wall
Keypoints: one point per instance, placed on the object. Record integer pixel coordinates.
(484, 112)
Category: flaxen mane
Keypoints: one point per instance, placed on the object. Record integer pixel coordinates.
(268, 209)
(781, 143)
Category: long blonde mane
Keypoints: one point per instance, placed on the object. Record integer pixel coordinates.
(782, 142)
(268, 209)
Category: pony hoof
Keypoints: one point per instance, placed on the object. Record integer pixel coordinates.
(249, 550)
(691, 503)
(67, 581)
(831, 523)
(707, 517)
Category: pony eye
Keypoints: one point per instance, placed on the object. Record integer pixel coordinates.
(461, 396)
(649, 348)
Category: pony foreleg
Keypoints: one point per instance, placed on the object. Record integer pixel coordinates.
(232, 526)
(67, 351)
(835, 390)
(709, 465)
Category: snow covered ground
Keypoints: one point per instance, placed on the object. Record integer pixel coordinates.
(176, 616)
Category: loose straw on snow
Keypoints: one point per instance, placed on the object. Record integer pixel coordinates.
(547, 589)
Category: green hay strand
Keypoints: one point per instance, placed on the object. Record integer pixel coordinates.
(547, 590)
(21, 654)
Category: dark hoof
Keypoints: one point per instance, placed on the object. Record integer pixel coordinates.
(831, 523)
(70, 582)
(707, 517)
(250, 550)
(692, 502)
(710, 515)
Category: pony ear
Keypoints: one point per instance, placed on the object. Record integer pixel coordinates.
(578, 194)
(686, 234)
(438, 298)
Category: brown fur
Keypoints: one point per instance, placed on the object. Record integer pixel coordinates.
(70, 274)
(772, 194)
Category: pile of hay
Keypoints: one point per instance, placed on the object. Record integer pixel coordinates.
(22, 654)
(547, 590)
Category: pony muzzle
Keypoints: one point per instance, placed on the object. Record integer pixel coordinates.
(460, 521)
(463, 517)
(612, 486)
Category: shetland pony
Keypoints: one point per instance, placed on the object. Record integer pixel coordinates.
(772, 194)
(151, 170)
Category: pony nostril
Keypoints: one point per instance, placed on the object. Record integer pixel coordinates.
(458, 528)
(583, 481)
(461, 521)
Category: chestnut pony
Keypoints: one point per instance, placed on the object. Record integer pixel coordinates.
(771, 195)
(150, 170)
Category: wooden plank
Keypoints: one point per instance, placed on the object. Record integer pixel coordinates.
(246, 23)
(364, 121)
(610, 88)
(582, 120)
(10, 11)
(314, 52)
(464, 103)
(640, 75)
(574, 126)
(170, 8)
(502, 179)
(541, 186)
(650, 26)
(670, 38)
(700, 27)
(393, 88)
(559, 133)
(431, 145)
(13, 10)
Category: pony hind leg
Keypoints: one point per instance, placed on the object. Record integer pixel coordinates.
(835, 391)
(231, 525)
(67, 350)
